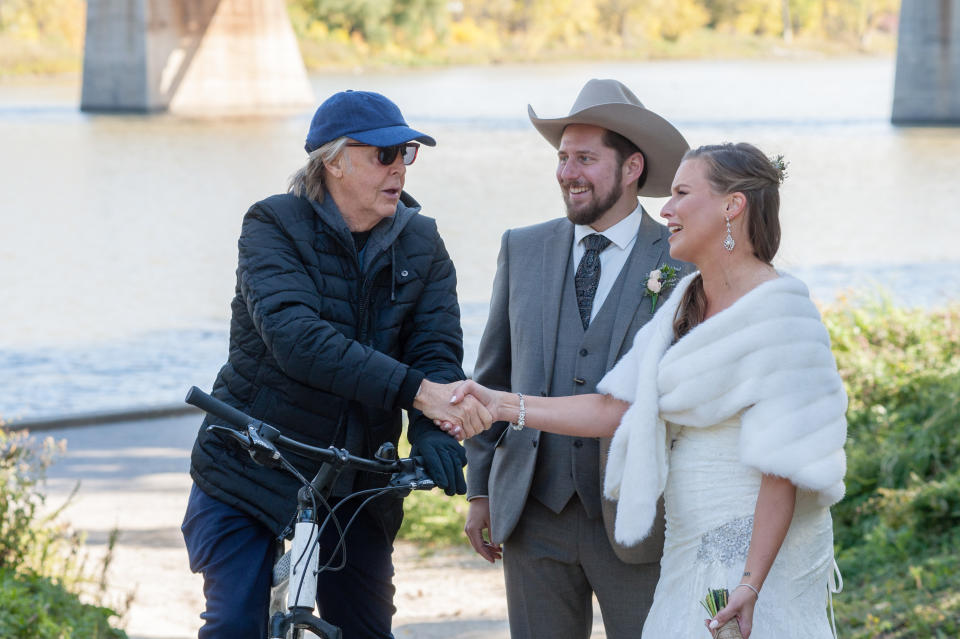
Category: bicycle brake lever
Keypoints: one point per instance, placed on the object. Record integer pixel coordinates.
(223, 432)
(261, 448)
(257, 441)
(413, 476)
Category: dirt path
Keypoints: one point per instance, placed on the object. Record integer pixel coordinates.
(133, 477)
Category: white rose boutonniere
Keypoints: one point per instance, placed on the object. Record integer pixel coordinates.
(659, 280)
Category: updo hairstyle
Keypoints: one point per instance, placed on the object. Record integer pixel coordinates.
(733, 168)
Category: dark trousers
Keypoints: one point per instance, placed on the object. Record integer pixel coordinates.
(235, 554)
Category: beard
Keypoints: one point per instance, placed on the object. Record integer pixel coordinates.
(600, 205)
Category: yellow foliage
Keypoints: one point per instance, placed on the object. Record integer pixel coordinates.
(319, 31)
(467, 31)
(48, 34)
(426, 39)
(341, 35)
(759, 17)
(665, 19)
(562, 22)
(62, 21)
(680, 17)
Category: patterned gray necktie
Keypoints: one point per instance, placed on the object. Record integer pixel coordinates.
(588, 275)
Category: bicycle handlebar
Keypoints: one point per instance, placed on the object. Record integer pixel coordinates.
(257, 435)
(260, 440)
(227, 413)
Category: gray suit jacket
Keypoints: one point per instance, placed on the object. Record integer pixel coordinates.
(517, 353)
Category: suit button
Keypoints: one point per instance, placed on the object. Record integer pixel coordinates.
(584, 352)
(578, 380)
(577, 443)
(534, 442)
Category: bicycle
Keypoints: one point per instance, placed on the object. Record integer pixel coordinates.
(299, 566)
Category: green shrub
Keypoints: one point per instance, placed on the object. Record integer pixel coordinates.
(28, 542)
(35, 607)
(433, 518)
(41, 563)
(898, 528)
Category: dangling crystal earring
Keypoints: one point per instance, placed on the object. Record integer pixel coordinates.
(728, 242)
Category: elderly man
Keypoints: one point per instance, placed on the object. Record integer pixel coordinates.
(568, 297)
(345, 313)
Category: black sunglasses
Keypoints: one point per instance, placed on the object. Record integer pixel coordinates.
(387, 155)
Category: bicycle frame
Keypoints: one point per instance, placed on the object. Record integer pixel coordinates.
(260, 440)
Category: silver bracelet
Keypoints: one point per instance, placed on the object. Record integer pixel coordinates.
(522, 417)
(755, 591)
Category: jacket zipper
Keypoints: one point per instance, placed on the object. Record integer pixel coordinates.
(362, 314)
(365, 293)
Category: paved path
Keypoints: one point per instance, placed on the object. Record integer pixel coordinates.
(133, 476)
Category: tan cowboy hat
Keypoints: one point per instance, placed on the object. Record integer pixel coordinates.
(611, 105)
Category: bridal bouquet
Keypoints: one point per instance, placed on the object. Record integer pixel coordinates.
(717, 600)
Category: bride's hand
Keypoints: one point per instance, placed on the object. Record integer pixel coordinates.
(470, 389)
(486, 396)
(739, 605)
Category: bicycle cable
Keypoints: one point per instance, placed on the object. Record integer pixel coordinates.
(341, 543)
(341, 530)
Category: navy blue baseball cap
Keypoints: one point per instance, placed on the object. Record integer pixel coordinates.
(363, 116)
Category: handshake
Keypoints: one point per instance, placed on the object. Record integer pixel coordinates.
(461, 409)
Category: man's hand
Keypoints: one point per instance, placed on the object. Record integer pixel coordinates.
(443, 459)
(478, 520)
(467, 417)
(466, 394)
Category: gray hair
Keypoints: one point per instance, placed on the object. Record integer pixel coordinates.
(308, 180)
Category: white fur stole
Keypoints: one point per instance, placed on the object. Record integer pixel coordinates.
(767, 355)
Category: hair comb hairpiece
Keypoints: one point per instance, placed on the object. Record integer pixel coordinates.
(781, 166)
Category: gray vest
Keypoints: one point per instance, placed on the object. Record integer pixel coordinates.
(567, 464)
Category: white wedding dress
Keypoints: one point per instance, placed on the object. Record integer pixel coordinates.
(710, 498)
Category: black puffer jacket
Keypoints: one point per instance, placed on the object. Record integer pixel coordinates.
(327, 349)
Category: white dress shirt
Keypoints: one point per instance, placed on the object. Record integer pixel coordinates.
(622, 235)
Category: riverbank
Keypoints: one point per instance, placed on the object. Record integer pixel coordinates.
(21, 57)
(338, 54)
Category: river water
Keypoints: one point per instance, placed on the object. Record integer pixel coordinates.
(118, 233)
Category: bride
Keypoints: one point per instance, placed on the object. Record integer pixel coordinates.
(730, 404)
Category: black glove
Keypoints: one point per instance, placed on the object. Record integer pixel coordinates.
(443, 459)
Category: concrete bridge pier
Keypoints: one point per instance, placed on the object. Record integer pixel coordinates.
(927, 85)
(196, 57)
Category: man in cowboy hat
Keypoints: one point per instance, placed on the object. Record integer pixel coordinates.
(568, 297)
